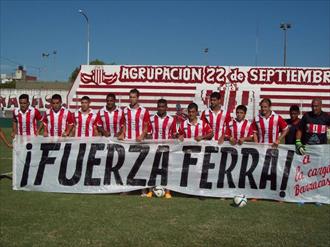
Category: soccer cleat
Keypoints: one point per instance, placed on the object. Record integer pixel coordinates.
(168, 195)
(149, 194)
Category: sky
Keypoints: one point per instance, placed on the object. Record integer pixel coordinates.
(236, 33)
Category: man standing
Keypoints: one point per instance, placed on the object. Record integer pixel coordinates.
(313, 126)
(25, 118)
(193, 127)
(57, 121)
(269, 127)
(217, 118)
(85, 119)
(163, 127)
(110, 118)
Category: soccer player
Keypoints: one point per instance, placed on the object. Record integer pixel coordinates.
(136, 122)
(110, 118)
(4, 139)
(216, 117)
(136, 119)
(194, 127)
(239, 129)
(313, 126)
(163, 127)
(25, 118)
(57, 121)
(293, 123)
(269, 127)
(85, 119)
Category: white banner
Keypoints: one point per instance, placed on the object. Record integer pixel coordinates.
(101, 165)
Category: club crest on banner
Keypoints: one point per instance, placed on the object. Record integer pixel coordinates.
(98, 76)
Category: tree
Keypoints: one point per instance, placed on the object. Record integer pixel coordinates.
(75, 73)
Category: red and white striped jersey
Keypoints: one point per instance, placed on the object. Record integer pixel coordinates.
(217, 121)
(111, 121)
(27, 121)
(85, 123)
(268, 128)
(191, 131)
(57, 123)
(240, 129)
(163, 128)
(135, 120)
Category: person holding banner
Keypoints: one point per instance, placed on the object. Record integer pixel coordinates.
(25, 118)
(239, 129)
(313, 126)
(57, 121)
(110, 118)
(217, 118)
(85, 119)
(163, 127)
(136, 122)
(269, 127)
(194, 127)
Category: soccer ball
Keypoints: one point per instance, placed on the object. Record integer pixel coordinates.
(240, 201)
(158, 191)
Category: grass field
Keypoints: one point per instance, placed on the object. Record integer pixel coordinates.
(53, 219)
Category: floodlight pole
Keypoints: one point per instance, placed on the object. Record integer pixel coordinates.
(88, 32)
(285, 27)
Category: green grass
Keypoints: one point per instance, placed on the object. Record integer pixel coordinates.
(53, 219)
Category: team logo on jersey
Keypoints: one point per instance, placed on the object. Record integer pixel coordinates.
(98, 76)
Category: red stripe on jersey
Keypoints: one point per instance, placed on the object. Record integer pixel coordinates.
(156, 127)
(270, 129)
(28, 122)
(137, 122)
(51, 115)
(79, 124)
(188, 131)
(197, 129)
(243, 132)
(262, 129)
(164, 128)
(235, 130)
(20, 123)
(60, 120)
(129, 124)
(115, 121)
(107, 121)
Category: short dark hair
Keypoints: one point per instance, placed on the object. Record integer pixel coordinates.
(215, 95)
(111, 95)
(241, 107)
(161, 101)
(294, 108)
(266, 100)
(85, 98)
(57, 96)
(193, 105)
(24, 96)
(134, 91)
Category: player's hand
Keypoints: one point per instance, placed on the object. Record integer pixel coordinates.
(181, 138)
(45, 134)
(275, 144)
(241, 141)
(12, 135)
(221, 140)
(198, 138)
(139, 138)
(232, 141)
(64, 134)
(300, 148)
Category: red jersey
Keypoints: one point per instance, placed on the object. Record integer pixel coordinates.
(27, 121)
(163, 128)
(111, 121)
(57, 123)
(268, 128)
(135, 120)
(240, 129)
(191, 131)
(217, 121)
(85, 123)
